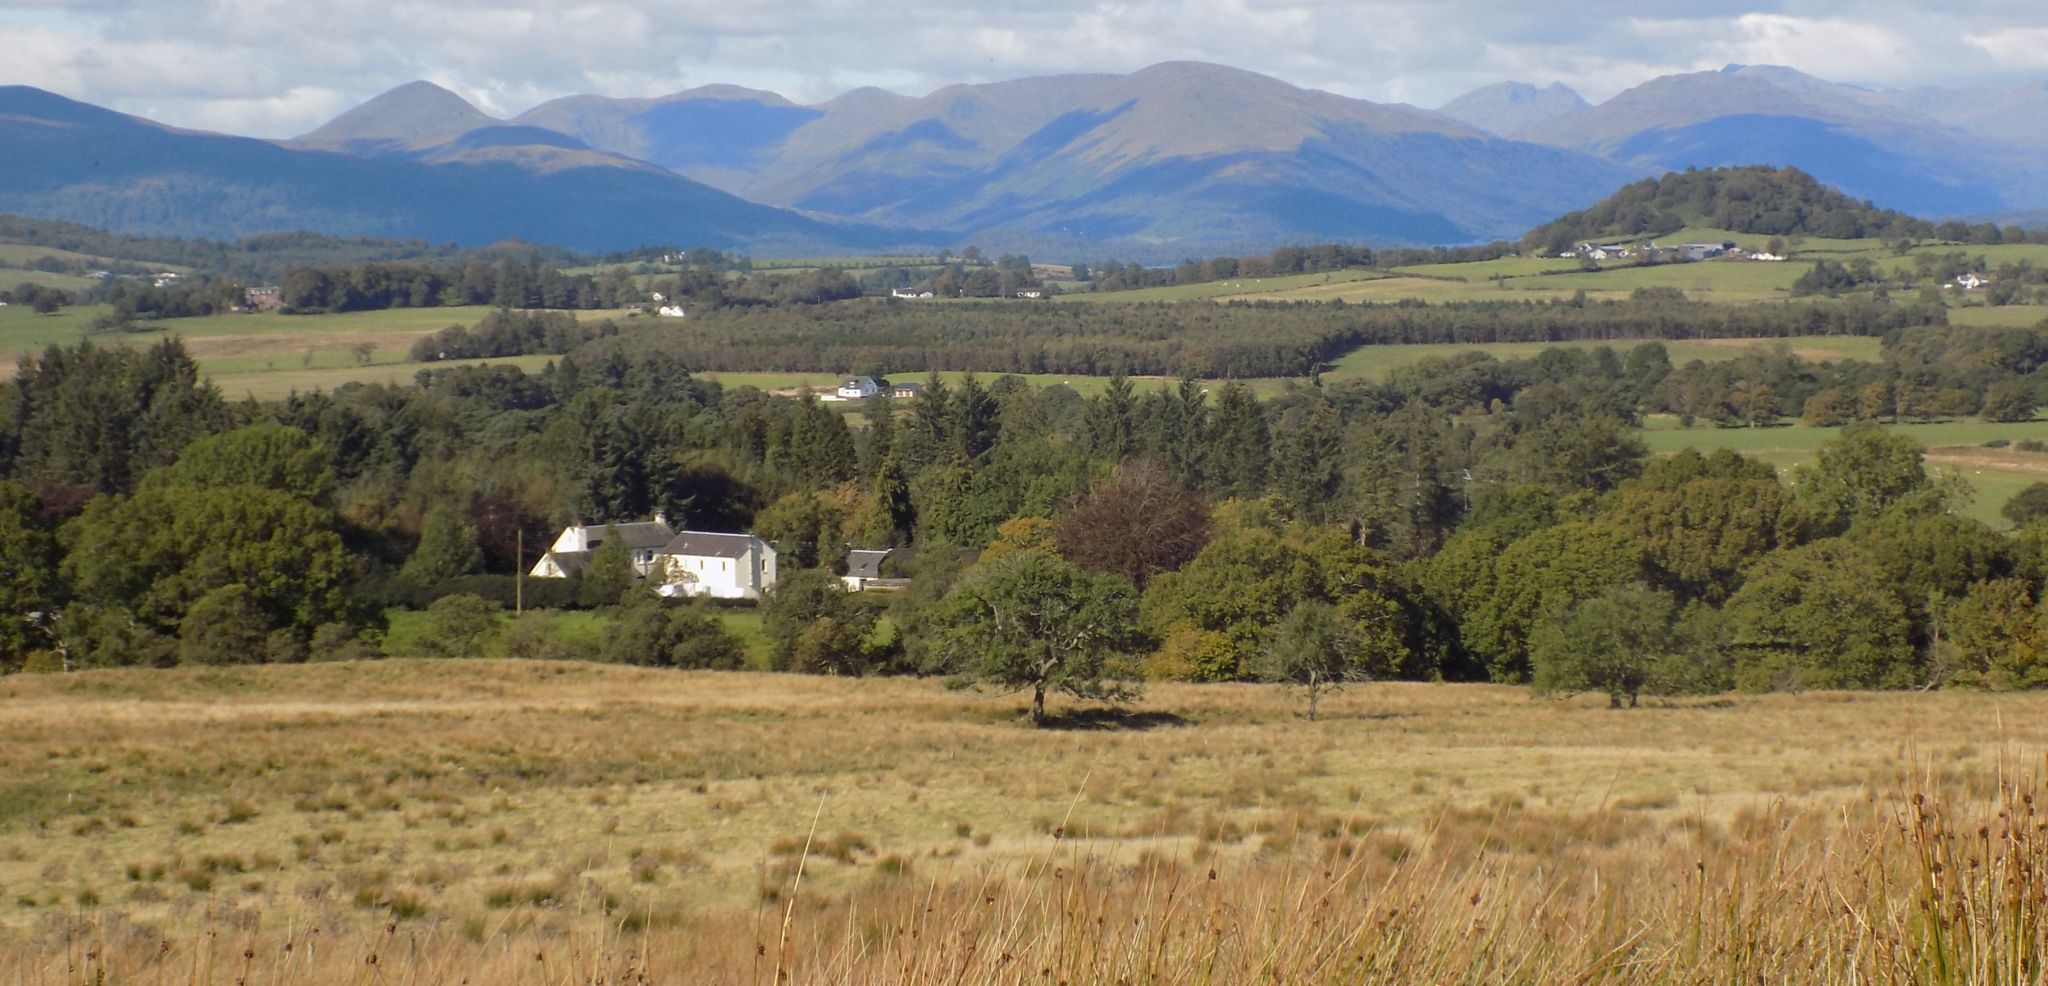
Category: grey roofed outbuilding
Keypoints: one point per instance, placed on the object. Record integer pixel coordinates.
(864, 564)
(702, 545)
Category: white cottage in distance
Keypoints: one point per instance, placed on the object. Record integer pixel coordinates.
(689, 563)
(722, 566)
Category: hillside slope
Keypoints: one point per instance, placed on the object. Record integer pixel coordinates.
(69, 160)
(1857, 140)
(1760, 200)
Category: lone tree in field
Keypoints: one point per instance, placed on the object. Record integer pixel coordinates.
(1614, 642)
(1032, 621)
(1313, 647)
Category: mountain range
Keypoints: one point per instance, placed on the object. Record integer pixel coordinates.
(1931, 152)
(1175, 160)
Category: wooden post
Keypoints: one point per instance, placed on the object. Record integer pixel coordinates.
(519, 571)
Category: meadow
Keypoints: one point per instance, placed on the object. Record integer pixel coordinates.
(268, 355)
(1994, 472)
(498, 821)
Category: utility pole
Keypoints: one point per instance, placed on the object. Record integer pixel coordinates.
(519, 571)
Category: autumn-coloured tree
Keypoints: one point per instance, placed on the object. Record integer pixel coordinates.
(1137, 524)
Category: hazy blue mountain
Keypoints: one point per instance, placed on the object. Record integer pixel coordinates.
(73, 161)
(1515, 109)
(718, 135)
(411, 116)
(1867, 143)
(1178, 157)
(2015, 114)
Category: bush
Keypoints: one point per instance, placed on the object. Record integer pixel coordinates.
(654, 633)
(43, 662)
(2027, 505)
(223, 627)
(341, 642)
(461, 626)
(501, 589)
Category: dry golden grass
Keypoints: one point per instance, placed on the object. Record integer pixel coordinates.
(559, 823)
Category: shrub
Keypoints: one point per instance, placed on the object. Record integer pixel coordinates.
(461, 626)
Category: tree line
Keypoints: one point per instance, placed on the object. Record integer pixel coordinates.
(1468, 519)
(1244, 339)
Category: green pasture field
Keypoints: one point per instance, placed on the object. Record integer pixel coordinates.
(1710, 280)
(23, 331)
(272, 383)
(269, 355)
(13, 277)
(1234, 288)
(1481, 270)
(1996, 474)
(2004, 317)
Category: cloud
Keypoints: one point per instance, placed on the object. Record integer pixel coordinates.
(278, 67)
(2025, 49)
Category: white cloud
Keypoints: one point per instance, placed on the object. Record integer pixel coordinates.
(2025, 49)
(277, 67)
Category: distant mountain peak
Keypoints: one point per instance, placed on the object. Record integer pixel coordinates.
(1512, 109)
(415, 113)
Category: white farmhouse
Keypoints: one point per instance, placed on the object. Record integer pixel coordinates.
(722, 566)
(670, 311)
(858, 388)
(570, 554)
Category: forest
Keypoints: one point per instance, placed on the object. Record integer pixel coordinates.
(1240, 339)
(1466, 519)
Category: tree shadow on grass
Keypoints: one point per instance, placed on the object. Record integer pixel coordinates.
(1112, 720)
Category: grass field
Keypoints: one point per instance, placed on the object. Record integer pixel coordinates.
(419, 821)
(2007, 317)
(1995, 473)
(1540, 278)
(268, 355)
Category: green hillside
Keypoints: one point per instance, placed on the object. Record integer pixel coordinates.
(1758, 200)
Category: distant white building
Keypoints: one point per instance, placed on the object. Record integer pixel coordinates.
(689, 563)
(722, 566)
(570, 554)
(1766, 257)
(858, 388)
(910, 293)
(670, 311)
(1969, 282)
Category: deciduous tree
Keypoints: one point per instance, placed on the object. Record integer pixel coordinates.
(1033, 622)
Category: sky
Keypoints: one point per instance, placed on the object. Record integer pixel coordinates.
(276, 68)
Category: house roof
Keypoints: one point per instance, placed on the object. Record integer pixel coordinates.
(571, 562)
(639, 535)
(703, 544)
(858, 382)
(908, 388)
(864, 564)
